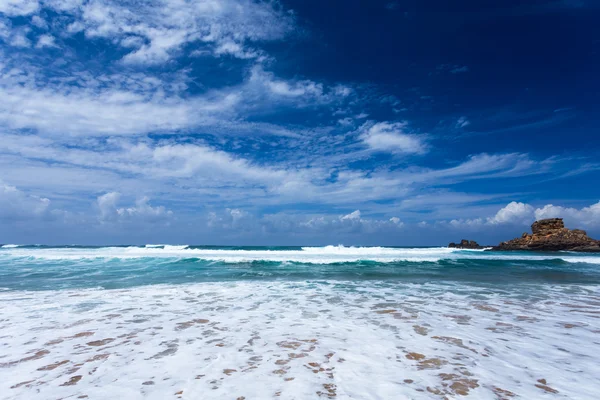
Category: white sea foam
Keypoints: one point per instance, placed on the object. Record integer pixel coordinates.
(315, 255)
(363, 340)
(10, 246)
(166, 246)
(175, 248)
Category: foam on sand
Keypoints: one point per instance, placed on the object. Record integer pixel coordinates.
(301, 340)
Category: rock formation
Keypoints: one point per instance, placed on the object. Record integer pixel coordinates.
(465, 244)
(551, 235)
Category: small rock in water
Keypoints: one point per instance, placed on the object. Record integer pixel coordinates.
(465, 244)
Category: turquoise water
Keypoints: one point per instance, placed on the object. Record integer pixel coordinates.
(66, 267)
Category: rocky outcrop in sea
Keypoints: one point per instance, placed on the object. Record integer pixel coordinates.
(551, 235)
(465, 244)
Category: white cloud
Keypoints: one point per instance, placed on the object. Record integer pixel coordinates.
(141, 211)
(79, 102)
(79, 112)
(46, 41)
(38, 21)
(107, 204)
(263, 87)
(194, 172)
(15, 204)
(517, 213)
(189, 160)
(265, 82)
(342, 90)
(167, 26)
(349, 223)
(14, 8)
(237, 222)
(19, 38)
(459, 223)
(355, 215)
(391, 137)
(514, 212)
(237, 50)
(462, 122)
(107, 105)
(4, 29)
(301, 88)
(485, 166)
(126, 104)
(396, 220)
(586, 216)
(233, 219)
(346, 121)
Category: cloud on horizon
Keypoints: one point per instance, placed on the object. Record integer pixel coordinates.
(140, 217)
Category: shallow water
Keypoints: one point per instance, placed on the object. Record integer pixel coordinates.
(292, 323)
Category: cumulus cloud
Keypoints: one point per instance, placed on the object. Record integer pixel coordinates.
(396, 220)
(236, 222)
(38, 21)
(141, 211)
(350, 223)
(46, 41)
(514, 212)
(392, 137)
(4, 29)
(107, 204)
(233, 219)
(460, 223)
(586, 216)
(517, 213)
(15, 204)
(19, 38)
(15, 8)
(355, 215)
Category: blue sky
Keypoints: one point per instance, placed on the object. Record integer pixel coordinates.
(296, 122)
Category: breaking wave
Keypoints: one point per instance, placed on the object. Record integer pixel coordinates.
(49, 268)
(305, 255)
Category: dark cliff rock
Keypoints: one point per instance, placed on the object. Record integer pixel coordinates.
(551, 235)
(465, 244)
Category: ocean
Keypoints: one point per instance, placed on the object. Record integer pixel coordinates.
(208, 322)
